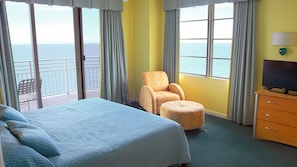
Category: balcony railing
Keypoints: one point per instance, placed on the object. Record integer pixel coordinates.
(59, 75)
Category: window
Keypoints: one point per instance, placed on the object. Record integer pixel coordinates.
(206, 40)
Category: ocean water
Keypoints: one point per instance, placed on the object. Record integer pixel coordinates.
(193, 58)
(57, 66)
(58, 72)
(23, 52)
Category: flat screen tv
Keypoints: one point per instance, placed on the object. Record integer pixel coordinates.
(280, 74)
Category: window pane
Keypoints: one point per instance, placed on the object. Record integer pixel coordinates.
(193, 48)
(56, 51)
(18, 20)
(224, 10)
(223, 28)
(194, 13)
(90, 20)
(221, 68)
(54, 24)
(197, 29)
(193, 65)
(222, 48)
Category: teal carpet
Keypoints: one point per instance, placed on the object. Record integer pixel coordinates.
(226, 144)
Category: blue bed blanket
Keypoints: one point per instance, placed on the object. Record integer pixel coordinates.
(97, 132)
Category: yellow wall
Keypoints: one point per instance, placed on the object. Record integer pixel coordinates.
(128, 28)
(212, 93)
(147, 48)
(156, 34)
(143, 22)
(274, 15)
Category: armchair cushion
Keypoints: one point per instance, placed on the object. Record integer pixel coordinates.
(164, 96)
(157, 80)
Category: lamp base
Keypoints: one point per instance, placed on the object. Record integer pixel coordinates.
(282, 51)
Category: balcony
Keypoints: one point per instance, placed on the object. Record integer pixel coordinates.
(59, 82)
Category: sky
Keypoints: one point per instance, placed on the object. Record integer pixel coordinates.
(54, 24)
(197, 17)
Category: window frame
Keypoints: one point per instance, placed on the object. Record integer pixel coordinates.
(210, 43)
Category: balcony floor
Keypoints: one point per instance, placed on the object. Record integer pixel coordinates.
(55, 100)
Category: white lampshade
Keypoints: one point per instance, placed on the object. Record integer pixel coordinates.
(283, 38)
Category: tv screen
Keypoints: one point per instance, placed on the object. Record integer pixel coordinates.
(280, 74)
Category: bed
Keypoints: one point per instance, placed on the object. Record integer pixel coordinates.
(91, 132)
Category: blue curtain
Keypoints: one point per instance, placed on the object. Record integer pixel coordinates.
(114, 76)
(242, 81)
(8, 82)
(171, 45)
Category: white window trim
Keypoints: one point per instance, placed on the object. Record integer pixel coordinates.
(210, 42)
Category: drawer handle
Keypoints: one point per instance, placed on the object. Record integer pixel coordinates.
(271, 102)
(271, 129)
(269, 115)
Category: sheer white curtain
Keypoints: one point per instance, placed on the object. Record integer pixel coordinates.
(8, 82)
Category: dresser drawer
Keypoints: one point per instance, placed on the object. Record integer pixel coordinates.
(277, 103)
(276, 132)
(276, 116)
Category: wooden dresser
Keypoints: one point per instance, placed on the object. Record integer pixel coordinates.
(276, 117)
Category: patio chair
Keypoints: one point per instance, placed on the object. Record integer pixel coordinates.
(27, 91)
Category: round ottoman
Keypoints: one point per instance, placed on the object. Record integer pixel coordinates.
(189, 114)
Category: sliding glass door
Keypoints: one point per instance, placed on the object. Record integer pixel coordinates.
(45, 49)
(91, 45)
(56, 54)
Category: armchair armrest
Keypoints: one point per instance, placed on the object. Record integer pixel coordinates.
(147, 99)
(174, 87)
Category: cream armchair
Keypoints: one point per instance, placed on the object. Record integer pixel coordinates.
(156, 90)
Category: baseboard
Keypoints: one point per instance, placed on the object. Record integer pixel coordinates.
(213, 113)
